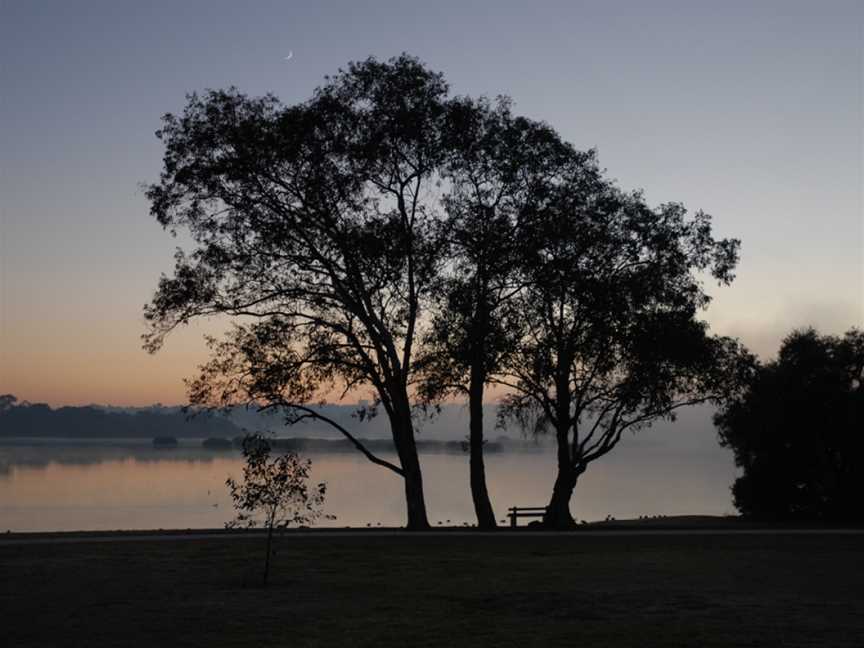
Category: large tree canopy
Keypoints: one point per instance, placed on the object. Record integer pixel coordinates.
(384, 236)
(311, 225)
(495, 163)
(797, 431)
(610, 339)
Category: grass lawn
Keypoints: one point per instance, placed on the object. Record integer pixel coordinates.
(575, 590)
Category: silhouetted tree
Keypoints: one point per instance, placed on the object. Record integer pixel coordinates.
(313, 227)
(494, 161)
(274, 493)
(610, 339)
(798, 431)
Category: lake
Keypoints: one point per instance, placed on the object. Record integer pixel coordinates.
(133, 486)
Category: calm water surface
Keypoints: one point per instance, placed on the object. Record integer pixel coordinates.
(99, 488)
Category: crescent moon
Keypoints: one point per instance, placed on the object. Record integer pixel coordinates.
(290, 56)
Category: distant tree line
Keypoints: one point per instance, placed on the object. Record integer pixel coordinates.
(25, 419)
(40, 420)
(386, 237)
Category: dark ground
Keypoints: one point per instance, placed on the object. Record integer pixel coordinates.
(447, 590)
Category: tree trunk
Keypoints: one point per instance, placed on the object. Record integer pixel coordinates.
(558, 511)
(416, 504)
(479, 493)
(403, 436)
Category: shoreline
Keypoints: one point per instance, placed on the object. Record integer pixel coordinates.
(672, 525)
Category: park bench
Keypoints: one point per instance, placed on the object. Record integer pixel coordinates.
(525, 511)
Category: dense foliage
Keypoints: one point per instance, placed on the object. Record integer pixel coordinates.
(611, 339)
(798, 431)
(312, 226)
(496, 162)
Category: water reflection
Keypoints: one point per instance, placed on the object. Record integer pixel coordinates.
(138, 487)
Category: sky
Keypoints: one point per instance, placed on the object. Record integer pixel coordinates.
(751, 111)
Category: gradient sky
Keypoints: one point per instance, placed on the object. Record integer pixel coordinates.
(751, 111)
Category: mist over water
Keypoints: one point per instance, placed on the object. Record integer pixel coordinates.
(669, 470)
